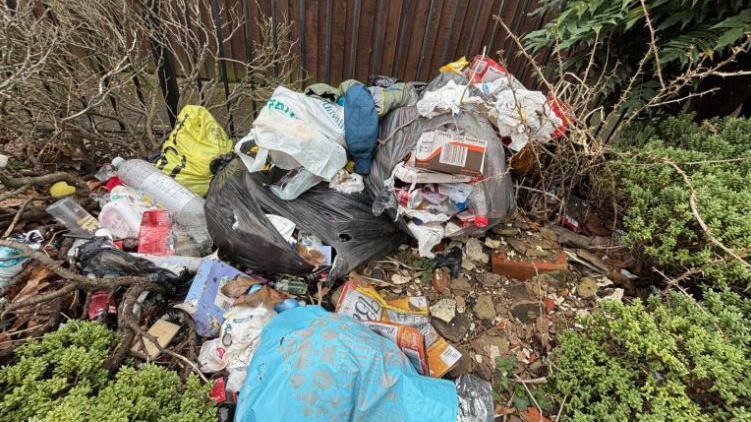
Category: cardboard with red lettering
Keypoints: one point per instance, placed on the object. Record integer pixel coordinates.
(450, 153)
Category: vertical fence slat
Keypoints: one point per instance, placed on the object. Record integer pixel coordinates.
(165, 66)
(496, 27)
(407, 16)
(424, 46)
(430, 67)
(365, 39)
(375, 55)
(477, 41)
(352, 62)
(327, 43)
(388, 57)
(301, 24)
(473, 29)
(311, 39)
(249, 53)
(215, 12)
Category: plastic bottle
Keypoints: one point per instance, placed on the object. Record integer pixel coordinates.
(186, 206)
(73, 216)
(479, 206)
(123, 214)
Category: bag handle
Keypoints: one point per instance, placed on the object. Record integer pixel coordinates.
(252, 164)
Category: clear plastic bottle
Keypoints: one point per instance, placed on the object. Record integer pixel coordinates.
(185, 206)
(73, 216)
(479, 205)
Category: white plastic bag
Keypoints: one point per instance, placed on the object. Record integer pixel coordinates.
(346, 182)
(294, 184)
(123, 214)
(238, 339)
(536, 121)
(296, 130)
(444, 99)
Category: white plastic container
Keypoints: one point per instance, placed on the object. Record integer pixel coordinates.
(122, 215)
(185, 206)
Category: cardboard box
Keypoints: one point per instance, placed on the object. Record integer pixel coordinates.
(164, 331)
(450, 153)
(408, 174)
(205, 301)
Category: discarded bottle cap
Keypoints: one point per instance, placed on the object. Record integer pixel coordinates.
(62, 189)
(117, 160)
(112, 183)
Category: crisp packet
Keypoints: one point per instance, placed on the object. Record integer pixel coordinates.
(363, 303)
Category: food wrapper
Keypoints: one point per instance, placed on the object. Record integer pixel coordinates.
(363, 303)
(455, 66)
(409, 339)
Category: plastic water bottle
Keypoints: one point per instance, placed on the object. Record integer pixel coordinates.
(185, 206)
(479, 206)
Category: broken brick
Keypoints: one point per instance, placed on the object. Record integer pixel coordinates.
(524, 270)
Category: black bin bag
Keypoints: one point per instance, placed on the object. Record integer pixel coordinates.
(236, 208)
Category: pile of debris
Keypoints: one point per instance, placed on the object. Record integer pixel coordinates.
(280, 265)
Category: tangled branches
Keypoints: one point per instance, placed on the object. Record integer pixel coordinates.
(563, 167)
(85, 76)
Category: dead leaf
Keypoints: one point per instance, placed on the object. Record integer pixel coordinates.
(238, 286)
(533, 415)
(34, 284)
(5, 341)
(503, 410)
(441, 280)
(265, 295)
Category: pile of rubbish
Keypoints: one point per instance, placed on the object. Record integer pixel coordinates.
(245, 237)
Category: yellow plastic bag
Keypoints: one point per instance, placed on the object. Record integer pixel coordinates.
(188, 151)
(455, 66)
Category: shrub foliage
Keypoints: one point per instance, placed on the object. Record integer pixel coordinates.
(716, 155)
(63, 377)
(665, 360)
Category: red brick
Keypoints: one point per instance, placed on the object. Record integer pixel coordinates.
(524, 270)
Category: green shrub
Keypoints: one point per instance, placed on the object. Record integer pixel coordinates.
(658, 218)
(663, 361)
(63, 377)
(685, 29)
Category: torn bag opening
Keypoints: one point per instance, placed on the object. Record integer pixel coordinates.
(236, 209)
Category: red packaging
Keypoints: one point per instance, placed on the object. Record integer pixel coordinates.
(486, 69)
(100, 302)
(572, 224)
(154, 236)
(563, 112)
(219, 391)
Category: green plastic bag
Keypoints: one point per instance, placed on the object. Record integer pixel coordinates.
(188, 151)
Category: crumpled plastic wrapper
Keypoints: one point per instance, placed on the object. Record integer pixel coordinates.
(475, 399)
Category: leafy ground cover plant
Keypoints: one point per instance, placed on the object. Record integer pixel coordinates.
(664, 360)
(63, 377)
(657, 169)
